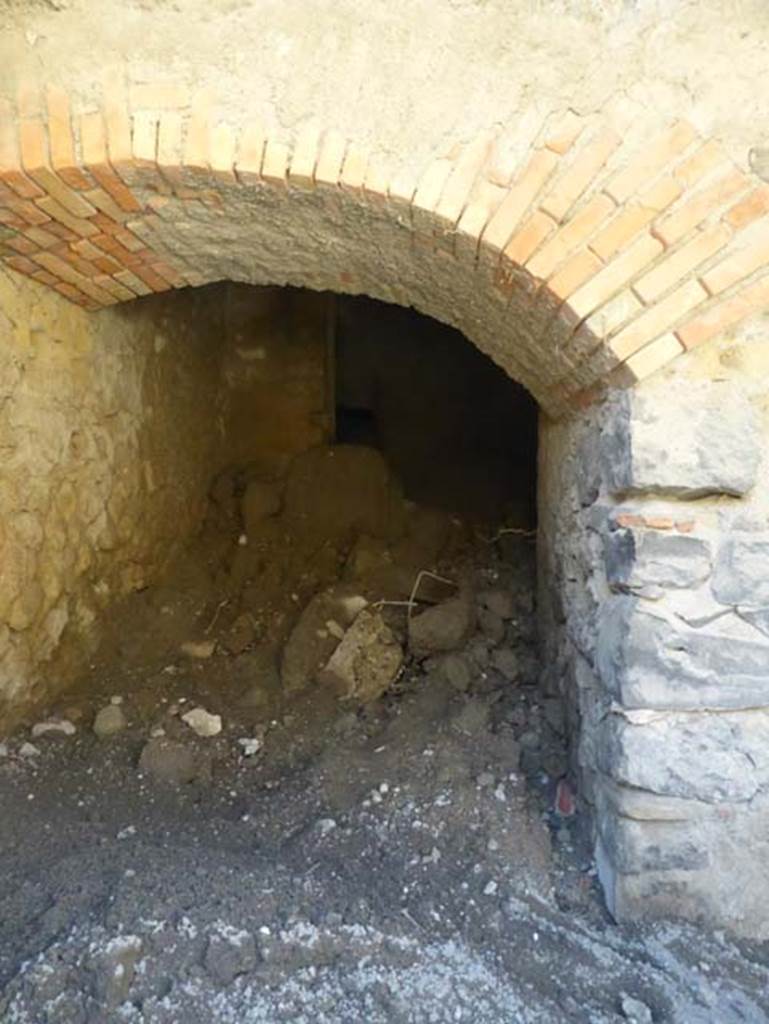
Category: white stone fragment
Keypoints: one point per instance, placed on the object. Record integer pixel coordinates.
(62, 725)
(203, 722)
(251, 745)
(202, 649)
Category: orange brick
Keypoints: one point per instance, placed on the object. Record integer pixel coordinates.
(45, 278)
(21, 245)
(42, 239)
(430, 186)
(26, 211)
(62, 232)
(197, 143)
(565, 134)
(11, 171)
(614, 276)
(61, 269)
(167, 272)
(462, 178)
(753, 206)
(654, 159)
(571, 235)
(574, 274)
(529, 237)
(93, 142)
(80, 225)
(629, 520)
(117, 123)
(151, 279)
(659, 522)
(653, 357)
(22, 265)
(707, 158)
(330, 159)
(577, 178)
(109, 284)
(705, 202)
(353, 172)
(675, 267)
(130, 280)
(633, 218)
(686, 525)
(169, 155)
(106, 265)
(105, 204)
(657, 319)
(304, 158)
(275, 162)
(519, 198)
(248, 163)
(61, 141)
(740, 264)
(223, 154)
(33, 139)
(375, 186)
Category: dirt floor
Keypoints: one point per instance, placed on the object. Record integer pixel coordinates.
(290, 788)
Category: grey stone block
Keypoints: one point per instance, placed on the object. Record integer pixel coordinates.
(637, 559)
(741, 575)
(647, 661)
(695, 756)
(652, 845)
(686, 438)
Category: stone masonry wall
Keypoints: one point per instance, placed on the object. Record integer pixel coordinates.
(112, 426)
(655, 556)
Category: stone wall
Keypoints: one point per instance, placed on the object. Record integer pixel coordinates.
(654, 540)
(111, 428)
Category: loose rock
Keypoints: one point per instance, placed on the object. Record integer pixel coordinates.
(230, 953)
(169, 761)
(444, 627)
(505, 662)
(61, 725)
(367, 660)
(109, 721)
(202, 649)
(203, 722)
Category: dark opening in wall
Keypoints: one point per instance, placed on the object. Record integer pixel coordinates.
(458, 433)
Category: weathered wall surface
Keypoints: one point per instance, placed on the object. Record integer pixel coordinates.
(105, 461)
(655, 527)
(111, 428)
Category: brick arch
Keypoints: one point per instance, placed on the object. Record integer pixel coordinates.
(581, 261)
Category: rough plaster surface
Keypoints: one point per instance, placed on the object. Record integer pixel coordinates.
(415, 76)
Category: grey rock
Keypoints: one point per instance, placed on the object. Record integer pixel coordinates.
(230, 953)
(636, 846)
(699, 438)
(445, 627)
(169, 761)
(637, 559)
(692, 756)
(758, 158)
(635, 1011)
(741, 575)
(647, 661)
(457, 671)
(491, 625)
(506, 663)
(310, 644)
(109, 721)
(113, 968)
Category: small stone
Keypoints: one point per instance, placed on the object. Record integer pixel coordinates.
(506, 663)
(485, 779)
(490, 888)
(28, 750)
(366, 662)
(444, 627)
(565, 804)
(492, 626)
(202, 722)
(635, 1011)
(116, 700)
(326, 825)
(250, 745)
(202, 649)
(4, 750)
(113, 969)
(62, 725)
(241, 634)
(109, 721)
(230, 953)
(168, 761)
(456, 671)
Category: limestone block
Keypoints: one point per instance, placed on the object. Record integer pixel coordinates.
(637, 559)
(699, 756)
(741, 574)
(686, 438)
(635, 846)
(649, 661)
